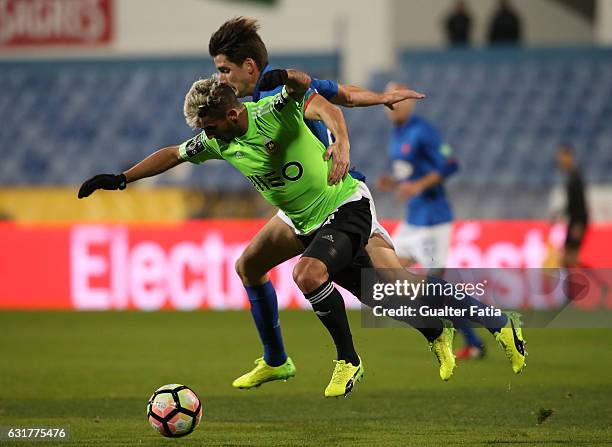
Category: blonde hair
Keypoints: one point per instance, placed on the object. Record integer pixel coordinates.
(207, 97)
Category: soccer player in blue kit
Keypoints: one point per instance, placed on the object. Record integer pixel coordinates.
(421, 162)
(242, 61)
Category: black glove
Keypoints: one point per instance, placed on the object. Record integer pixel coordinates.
(272, 79)
(102, 181)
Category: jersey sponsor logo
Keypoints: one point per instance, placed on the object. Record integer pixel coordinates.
(291, 171)
(194, 146)
(405, 148)
(271, 146)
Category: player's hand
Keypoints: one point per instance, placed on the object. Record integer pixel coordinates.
(339, 153)
(407, 190)
(102, 181)
(386, 183)
(395, 96)
(272, 79)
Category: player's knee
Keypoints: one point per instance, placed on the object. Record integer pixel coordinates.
(247, 269)
(309, 274)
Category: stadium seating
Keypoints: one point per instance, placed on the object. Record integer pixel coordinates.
(504, 112)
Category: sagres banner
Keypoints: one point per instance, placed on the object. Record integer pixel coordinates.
(25, 23)
(574, 297)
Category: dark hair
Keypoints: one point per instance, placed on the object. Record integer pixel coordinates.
(238, 40)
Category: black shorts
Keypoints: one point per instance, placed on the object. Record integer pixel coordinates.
(341, 239)
(349, 278)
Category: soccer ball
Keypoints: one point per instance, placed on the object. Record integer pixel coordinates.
(174, 410)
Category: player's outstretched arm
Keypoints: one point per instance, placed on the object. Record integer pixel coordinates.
(154, 164)
(297, 82)
(353, 96)
(322, 110)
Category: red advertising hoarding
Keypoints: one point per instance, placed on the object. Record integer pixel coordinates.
(191, 265)
(55, 22)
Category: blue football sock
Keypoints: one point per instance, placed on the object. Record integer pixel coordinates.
(264, 308)
(471, 337)
(492, 323)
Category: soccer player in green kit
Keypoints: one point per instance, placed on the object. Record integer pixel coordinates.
(269, 144)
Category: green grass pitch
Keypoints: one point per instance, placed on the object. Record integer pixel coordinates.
(94, 373)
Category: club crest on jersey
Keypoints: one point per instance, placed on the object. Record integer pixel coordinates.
(271, 146)
(239, 154)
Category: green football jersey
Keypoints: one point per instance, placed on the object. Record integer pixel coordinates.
(281, 158)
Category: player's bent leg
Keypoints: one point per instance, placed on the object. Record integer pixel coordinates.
(328, 250)
(505, 327)
(440, 336)
(311, 276)
(431, 246)
(274, 243)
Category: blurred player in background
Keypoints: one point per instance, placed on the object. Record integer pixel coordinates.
(577, 214)
(576, 210)
(241, 58)
(421, 162)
